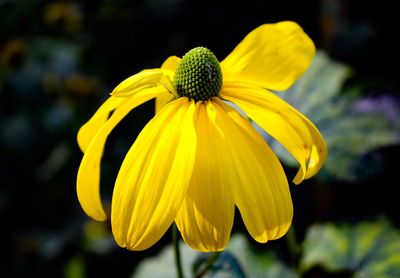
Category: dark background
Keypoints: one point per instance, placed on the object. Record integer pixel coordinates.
(58, 62)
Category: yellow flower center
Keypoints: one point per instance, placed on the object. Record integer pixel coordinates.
(198, 75)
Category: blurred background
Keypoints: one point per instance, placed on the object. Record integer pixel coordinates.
(59, 60)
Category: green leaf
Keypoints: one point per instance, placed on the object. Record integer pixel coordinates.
(239, 260)
(163, 264)
(351, 127)
(256, 263)
(368, 249)
(226, 265)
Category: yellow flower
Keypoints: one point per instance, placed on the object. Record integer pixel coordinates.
(198, 157)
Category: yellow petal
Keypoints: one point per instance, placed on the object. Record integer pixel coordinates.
(206, 216)
(88, 180)
(162, 99)
(154, 176)
(284, 123)
(137, 82)
(319, 149)
(130, 86)
(87, 132)
(272, 56)
(261, 190)
(171, 63)
(168, 67)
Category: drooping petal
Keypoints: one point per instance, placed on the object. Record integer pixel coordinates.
(319, 149)
(154, 176)
(168, 67)
(206, 216)
(87, 132)
(170, 63)
(130, 86)
(272, 56)
(137, 82)
(88, 179)
(162, 99)
(261, 190)
(284, 123)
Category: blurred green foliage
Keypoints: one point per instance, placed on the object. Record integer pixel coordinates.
(367, 249)
(351, 124)
(240, 260)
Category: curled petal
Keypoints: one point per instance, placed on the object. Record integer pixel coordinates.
(171, 63)
(170, 93)
(319, 149)
(206, 216)
(272, 56)
(260, 189)
(88, 179)
(162, 99)
(87, 132)
(137, 82)
(154, 176)
(284, 123)
(130, 86)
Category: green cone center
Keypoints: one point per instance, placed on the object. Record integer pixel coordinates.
(198, 75)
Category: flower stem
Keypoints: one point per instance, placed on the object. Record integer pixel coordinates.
(293, 246)
(178, 263)
(211, 260)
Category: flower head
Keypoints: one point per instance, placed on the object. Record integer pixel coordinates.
(198, 157)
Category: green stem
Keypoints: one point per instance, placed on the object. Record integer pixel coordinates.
(211, 260)
(293, 246)
(178, 263)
